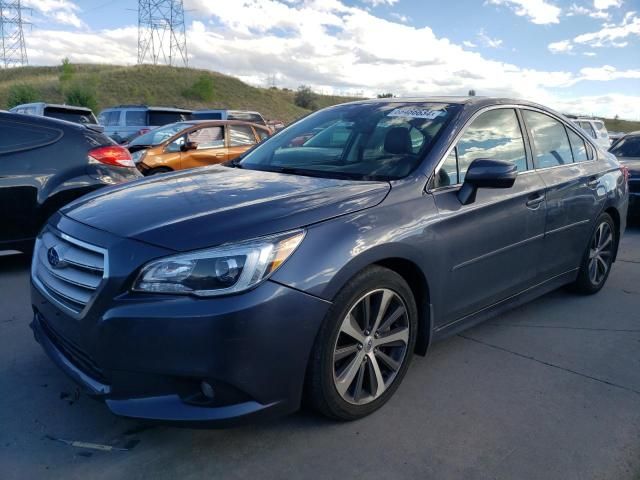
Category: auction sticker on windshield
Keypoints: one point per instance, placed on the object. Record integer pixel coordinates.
(416, 113)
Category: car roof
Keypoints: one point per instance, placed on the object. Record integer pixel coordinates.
(55, 105)
(215, 110)
(215, 123)
(44, 121)
(147, 107)
(457, 100)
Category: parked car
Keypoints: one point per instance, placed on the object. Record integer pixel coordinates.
(595, 128)
(615, 136)
(196, 143)
(46, 163)
(226, 293)
(70, 113)
(125, 122)
(627, 149)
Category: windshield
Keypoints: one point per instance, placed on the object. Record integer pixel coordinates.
(159, 135)
(627, 147)
(70, 115)
(370, 141)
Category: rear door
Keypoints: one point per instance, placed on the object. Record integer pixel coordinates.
(240, 138)
(210, 147)
(572, 190)
(491, 248)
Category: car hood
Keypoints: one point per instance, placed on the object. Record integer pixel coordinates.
(214, 205)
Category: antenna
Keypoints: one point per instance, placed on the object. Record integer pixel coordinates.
(13, 51)
(161, 33)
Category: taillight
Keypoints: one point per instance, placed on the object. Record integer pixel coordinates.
(112, 155)
(625, 173)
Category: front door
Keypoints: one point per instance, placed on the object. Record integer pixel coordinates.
(209, 147)
(489, 249)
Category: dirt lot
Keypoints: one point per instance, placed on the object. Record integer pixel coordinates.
(550, 391)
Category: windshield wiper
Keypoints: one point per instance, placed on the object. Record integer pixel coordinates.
(312, 173)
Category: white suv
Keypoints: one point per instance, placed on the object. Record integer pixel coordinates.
(595, 128)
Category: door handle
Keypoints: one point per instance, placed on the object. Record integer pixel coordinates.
(219, 155)
(592, 182)
(535, 200)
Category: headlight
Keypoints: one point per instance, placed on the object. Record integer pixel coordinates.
(217, 271)
(138, 155)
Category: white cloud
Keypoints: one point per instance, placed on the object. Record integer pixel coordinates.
(63, 12)
(469, 44)
(589, 54)
(611, 35)
(563, 46)
(538, 11)
(335, 48)
(400, 17)
(487, 41)
(605, 4)
(375, 3)
(575, 9)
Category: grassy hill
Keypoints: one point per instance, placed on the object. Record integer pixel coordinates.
(170, 86)
(157, 85)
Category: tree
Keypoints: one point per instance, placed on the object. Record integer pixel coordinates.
(305, 98)
(385, 95)
(472, 93)
(617, 117)
(202, 89)
(66, 71)
(21, 93)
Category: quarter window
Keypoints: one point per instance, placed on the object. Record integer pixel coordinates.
(240, 135)
(262, 134)
(550, 141)
(578, 147)
(495, 134)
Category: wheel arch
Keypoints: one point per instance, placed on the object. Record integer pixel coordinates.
(615, 215)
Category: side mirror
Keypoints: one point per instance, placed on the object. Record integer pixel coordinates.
(486, 173)
(189, 146)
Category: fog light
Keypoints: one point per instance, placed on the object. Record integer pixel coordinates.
(207, 390)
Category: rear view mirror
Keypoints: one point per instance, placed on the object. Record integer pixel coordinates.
(486, 173)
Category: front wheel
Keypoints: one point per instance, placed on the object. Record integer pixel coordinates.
(598, 258)
(364, 347)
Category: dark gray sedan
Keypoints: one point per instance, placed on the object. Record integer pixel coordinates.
(627, 149)
(319, 263)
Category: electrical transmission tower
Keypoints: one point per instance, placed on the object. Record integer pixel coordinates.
(161, 32)
(13, 51)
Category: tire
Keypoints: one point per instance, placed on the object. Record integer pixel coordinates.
(158, 170)
(599, 254)
(337, 354)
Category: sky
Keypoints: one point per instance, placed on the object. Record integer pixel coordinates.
(579, 56)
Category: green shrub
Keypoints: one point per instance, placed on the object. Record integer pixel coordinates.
(66, 71)
(81, 95)
(202, 89)
(305, 98)
(21, 93)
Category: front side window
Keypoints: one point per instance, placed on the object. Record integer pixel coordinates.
(361, 141)
(495, 135)
(208, 137)
(550, 141)
(240, 135)
(578, 147)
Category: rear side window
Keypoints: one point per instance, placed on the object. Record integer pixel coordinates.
(578, 147)
(627, 147)
(136, 118)
(159, 118)
(109, 119)
(240, 135)
(550, 141)
(16, 136)
(75, 116)
(208, 137)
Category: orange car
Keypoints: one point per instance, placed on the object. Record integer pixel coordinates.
(195, 143)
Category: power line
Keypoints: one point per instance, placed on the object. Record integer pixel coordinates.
(13, 50)
(161, 32)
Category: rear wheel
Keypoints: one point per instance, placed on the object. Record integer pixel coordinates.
(364, 347)
(597, 260)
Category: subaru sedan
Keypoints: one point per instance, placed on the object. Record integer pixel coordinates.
(316, 270)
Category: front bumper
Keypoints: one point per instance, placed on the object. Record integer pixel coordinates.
(147, 355)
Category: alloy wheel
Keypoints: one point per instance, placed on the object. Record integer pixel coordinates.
(600, 253)
(371, 346)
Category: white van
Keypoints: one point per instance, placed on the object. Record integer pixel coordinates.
(595, 128)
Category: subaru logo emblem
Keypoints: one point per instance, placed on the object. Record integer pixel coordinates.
(53, 257)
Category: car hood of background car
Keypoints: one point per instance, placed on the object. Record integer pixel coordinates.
(215, 205)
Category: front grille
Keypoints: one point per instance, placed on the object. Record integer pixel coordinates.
(67, 270)
(74, 354)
